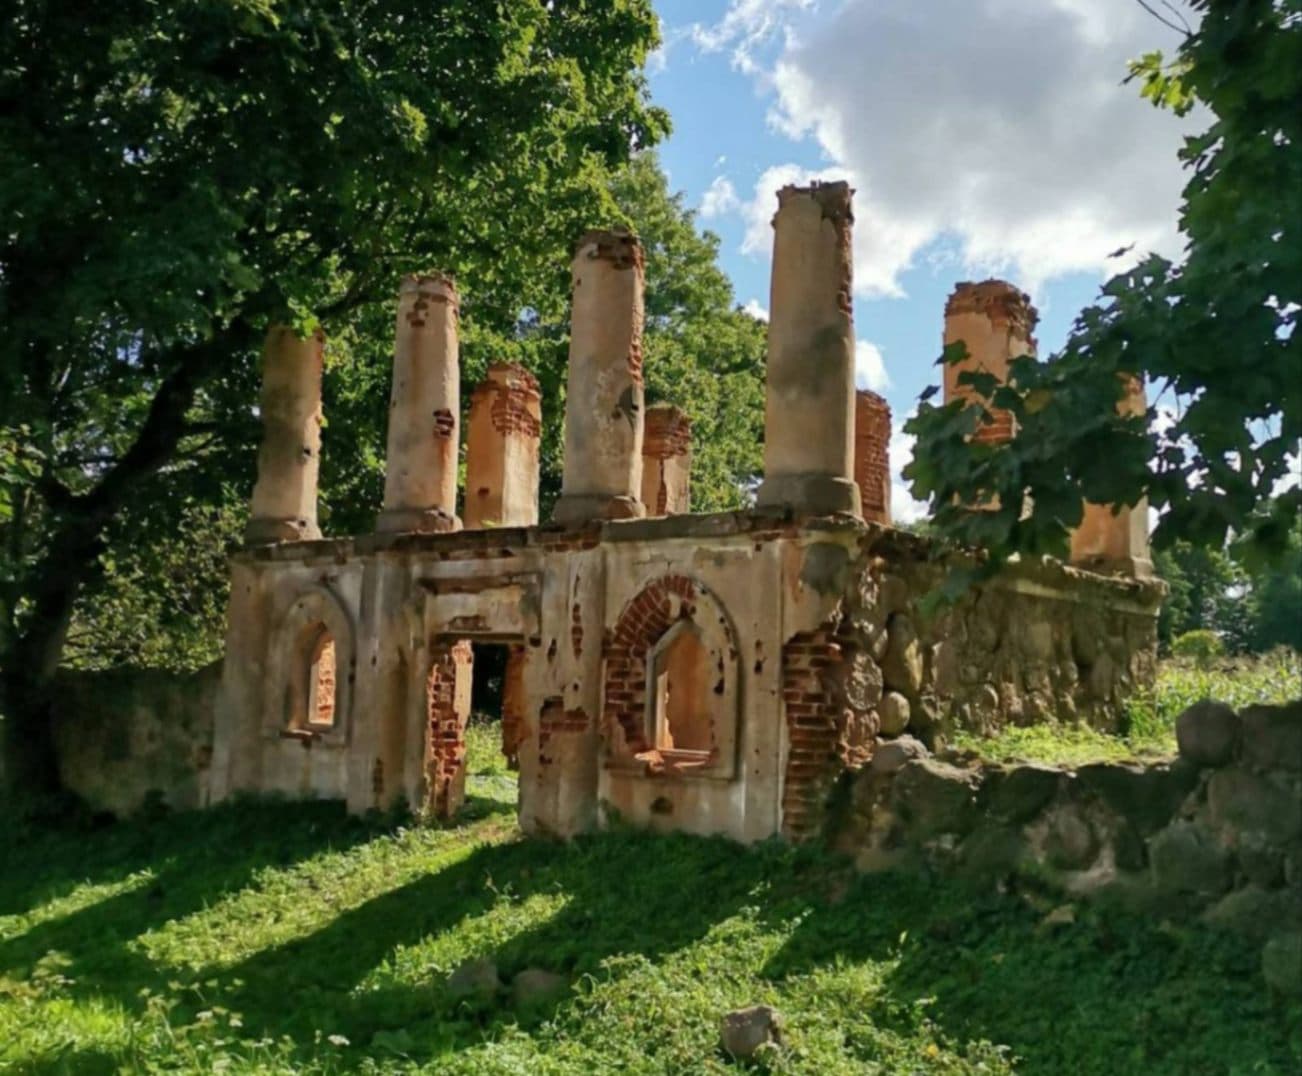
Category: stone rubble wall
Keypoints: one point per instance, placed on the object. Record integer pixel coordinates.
(1038, 642)
(125, 736)
(1215, 833)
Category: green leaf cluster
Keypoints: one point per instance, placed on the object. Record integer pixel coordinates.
(1212, 337)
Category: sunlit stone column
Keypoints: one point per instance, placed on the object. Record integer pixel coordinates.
(283, 508)
(872, 463)
(502, 435)
(420, 483)
(996, 322)
(809, 399)
(603, 404)
(667, 461)
(1116, 541)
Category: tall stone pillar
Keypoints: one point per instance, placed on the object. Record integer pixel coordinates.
(502, 435)
(872, 463)
(809, 399)
(667, 461)
(420, 483)
(603, 404)
(1116, 542)
(283, 508)
(996, 322)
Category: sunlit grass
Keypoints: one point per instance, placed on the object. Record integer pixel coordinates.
(288, 938)
(1150, 717)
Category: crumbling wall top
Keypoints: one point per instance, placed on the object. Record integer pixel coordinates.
(998, 300)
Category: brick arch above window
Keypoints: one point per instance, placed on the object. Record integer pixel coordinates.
(628, 704)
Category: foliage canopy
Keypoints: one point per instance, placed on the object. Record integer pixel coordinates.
(1213, 337)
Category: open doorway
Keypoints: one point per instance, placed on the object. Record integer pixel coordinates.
(493, 731)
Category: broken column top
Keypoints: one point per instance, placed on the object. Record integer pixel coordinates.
(510, 375)
(836, 198)
(432, 287)
(668, 431)
(618, 246)
(998, 300)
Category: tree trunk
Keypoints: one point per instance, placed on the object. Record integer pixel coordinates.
(29, 768)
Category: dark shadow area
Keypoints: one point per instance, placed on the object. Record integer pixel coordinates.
(1107, 993)
(194, 857)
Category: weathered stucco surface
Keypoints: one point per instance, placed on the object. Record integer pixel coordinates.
(813, 628)
(124, 736)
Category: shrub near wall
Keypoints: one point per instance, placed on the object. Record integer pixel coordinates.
(1214, 834)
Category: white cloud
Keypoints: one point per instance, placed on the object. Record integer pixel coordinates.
(720, 198)
(1000, 124)
(904, 509)
(756, 310)
(869, 367)
(745, 26)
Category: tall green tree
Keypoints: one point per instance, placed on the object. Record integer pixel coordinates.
(179, 175)
(1214, 337)
(161, 599)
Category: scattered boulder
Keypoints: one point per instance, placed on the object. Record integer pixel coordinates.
(991, 852)
(1070, 842)
(743, 1033)
(536, 987)
(1184, 858)
(1281, 963)
(1018, 794)
(890, 755)
(1207, 733)
(1253, 912)
(863, 682)
(475, 980)
(902, 662)
(894, 713)
(1272, 737)
(1253, 803)
(1147, 797)
(936, 797)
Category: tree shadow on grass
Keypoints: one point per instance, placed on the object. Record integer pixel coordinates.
(620, 894)
(1107, 993)
(191, 859)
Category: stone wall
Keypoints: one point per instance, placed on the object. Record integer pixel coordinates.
(1039, 641)
(128, 734)
(1215, 833)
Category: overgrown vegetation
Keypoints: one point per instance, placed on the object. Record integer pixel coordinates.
(288, 938)
(1214, 337)
(1150, 717)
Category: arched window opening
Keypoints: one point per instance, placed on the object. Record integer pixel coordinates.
(681, 705)
(322, 681)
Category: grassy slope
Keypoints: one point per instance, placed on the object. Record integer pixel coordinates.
(1271, 678)
(290, 938)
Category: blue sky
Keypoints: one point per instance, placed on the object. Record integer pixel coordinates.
(984, 138)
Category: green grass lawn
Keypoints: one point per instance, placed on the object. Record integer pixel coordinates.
(270, 938)
(1239, 681)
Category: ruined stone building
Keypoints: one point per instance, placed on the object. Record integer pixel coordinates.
(709, 673)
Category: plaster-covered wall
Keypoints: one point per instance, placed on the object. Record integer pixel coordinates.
(127, 734)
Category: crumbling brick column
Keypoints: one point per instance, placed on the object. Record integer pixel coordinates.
(872, 463)
(603, 404)
(420, 483)
(283, 508)
(1116, 541)
(809, 399)
(996, 322)
(447, 701)
(667, 461)
(502, 435)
